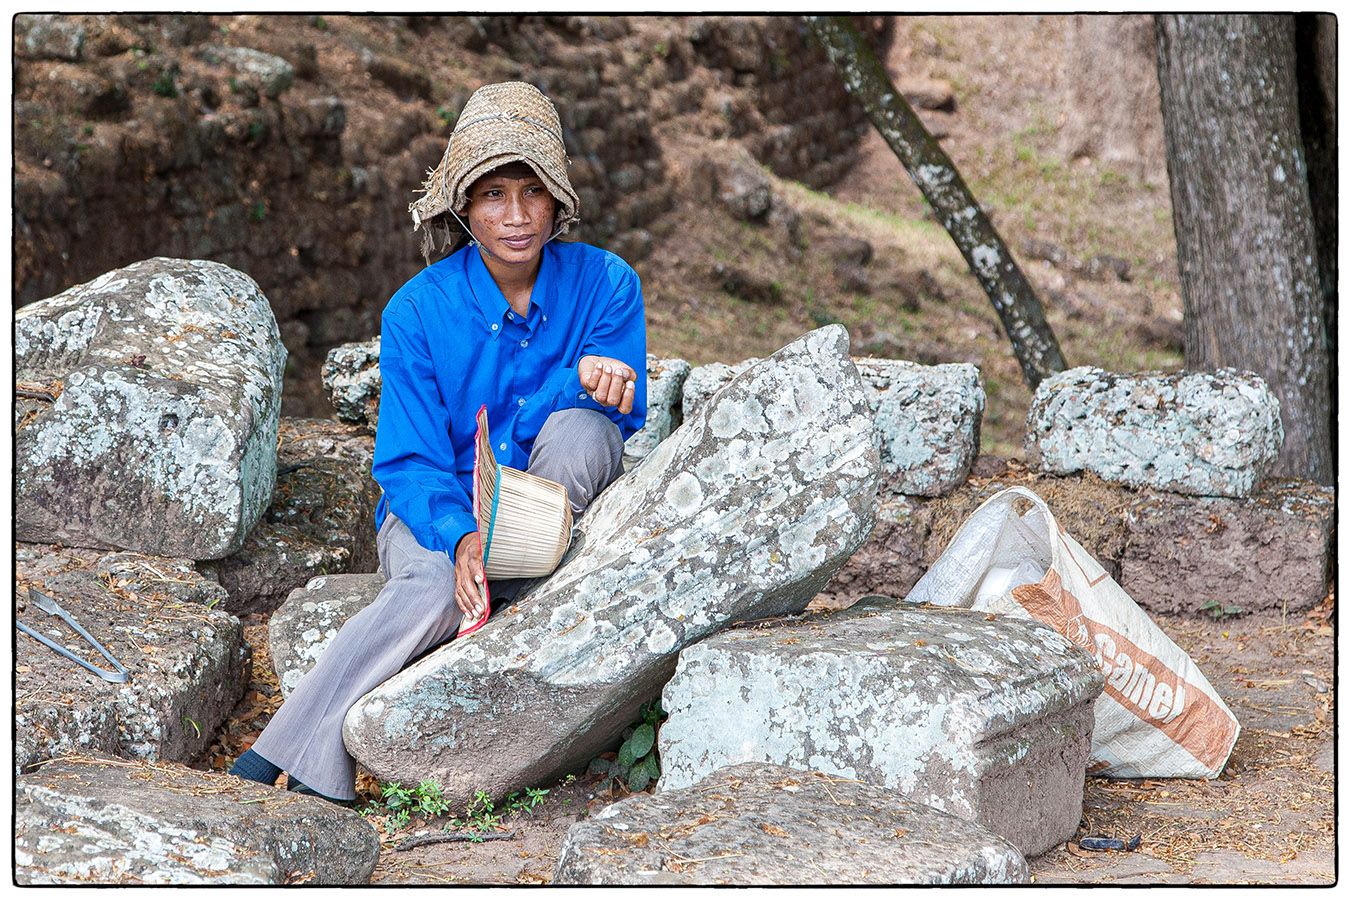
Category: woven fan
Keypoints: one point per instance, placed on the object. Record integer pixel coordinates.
(524, 521)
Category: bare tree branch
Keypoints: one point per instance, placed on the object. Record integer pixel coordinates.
(936, 175)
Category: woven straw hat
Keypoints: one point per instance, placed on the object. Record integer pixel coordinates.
(502, 123)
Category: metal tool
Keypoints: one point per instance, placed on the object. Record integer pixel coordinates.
(51, 607)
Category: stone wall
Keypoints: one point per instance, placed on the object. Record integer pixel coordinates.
(289, 146)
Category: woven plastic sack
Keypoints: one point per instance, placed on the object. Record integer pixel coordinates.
(1158, 716)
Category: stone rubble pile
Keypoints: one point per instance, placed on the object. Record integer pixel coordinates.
(147, 422)
(939, 745)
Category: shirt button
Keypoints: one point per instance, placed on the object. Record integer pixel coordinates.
(520, 401)
(581, 396)
(501, 446)
(494, 326)
(524, 343)
(511, 316)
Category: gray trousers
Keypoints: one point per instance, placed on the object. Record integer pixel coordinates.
(416, 612)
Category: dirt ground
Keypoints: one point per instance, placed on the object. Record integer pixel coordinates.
(1269, 819)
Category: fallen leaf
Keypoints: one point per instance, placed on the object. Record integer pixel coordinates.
(772, 829)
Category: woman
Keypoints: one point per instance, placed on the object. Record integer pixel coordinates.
(548, 335)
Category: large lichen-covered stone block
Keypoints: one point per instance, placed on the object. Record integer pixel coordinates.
(1193, 555)
(1205, 433)
(665, 385)
(746, 511)
(760, 824)
(321, 521)
(351, 376)
(989, 719)
(188, 661)
(96, 820)
(162, 436)
(928, 422)
(303, 627)
(927, 418)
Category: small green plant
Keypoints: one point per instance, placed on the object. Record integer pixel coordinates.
(480, 817)
(533, 797)
(400, 804)
(164, 85)
(88, 130)
(447, 115)
(197, 729)
(636, 765)
(1219, 611)
(257, 130)
(258, 212)
(318, 22)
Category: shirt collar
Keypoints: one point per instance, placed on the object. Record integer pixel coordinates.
(491, 301)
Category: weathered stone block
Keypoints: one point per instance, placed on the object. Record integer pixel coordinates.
(1206, 433)
(188, 661)
(321, 521)
(108, 821)
(990, 720)
(303, 627)
(758, 824)
(744, 512)
(927, 418)
(665, 385)
(351, 376)
(162, 434)
(1272, 550)
(928, 422)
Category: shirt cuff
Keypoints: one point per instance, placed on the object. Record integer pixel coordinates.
(452, 529)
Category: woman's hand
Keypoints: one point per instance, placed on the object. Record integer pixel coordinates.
(609, 381)
(469, 576)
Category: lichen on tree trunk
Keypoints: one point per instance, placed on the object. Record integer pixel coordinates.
(935, 174)
(1246, 248)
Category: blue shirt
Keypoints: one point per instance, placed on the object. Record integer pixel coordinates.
(450, 343)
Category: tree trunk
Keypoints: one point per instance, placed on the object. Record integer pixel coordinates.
(1315, 42)
(990, 260)
(1246, 248)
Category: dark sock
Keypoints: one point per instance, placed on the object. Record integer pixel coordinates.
(292, 784)
(254, 767)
